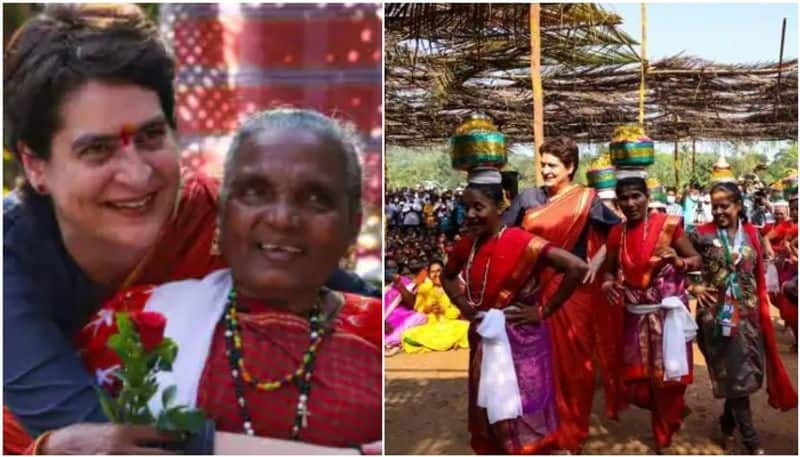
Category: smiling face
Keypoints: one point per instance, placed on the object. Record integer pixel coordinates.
(725, 208)
(554, 173)
(632, 202)
(113, 170)
(482, 213)
(435, 273)
(287, 220)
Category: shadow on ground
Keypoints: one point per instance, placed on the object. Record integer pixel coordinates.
(426, 412)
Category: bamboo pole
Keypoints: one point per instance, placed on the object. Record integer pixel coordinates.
(780, 63)
(536, 87)
(694, 154)
(643, 65)
(675, 165)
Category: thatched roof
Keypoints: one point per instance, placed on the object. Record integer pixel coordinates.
(480, 61)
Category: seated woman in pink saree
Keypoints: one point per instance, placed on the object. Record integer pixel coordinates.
(512, 407)
(398, 307)
(647, 256)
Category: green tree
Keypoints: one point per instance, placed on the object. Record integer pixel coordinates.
(785, 162)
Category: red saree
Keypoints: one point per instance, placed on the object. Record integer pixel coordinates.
(183, 251)
(584, 325)
(345, 398)
(512, 260)
(781, 394)
(779, 236)
(647, 282)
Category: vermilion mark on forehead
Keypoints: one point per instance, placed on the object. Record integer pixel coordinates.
(126, 134)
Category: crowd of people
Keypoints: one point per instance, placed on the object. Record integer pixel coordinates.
(561, 280)
(421, 225)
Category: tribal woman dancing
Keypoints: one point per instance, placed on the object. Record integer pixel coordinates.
(647, 256)
(511, 380)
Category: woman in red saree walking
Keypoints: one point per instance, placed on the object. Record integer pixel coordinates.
(781, 237)
(511, 380)
(647, 256)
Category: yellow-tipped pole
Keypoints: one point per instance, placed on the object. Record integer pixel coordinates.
(536, 86)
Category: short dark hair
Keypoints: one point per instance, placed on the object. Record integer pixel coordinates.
(728, 187)
(493, 191)
(66, 46)
(565, 149)
(639, 183)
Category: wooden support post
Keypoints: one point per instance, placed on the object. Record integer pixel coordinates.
(643, 65)
(675, 164)
(536, 83)
(780, 64)
(694, 154)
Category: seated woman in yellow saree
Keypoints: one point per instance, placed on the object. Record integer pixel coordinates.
(443, 330)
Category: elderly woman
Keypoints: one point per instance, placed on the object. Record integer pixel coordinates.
(572, 217)
(265, 349)
(88, 110)
(735, 329)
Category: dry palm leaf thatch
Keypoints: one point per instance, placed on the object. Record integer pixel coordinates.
(444, 61)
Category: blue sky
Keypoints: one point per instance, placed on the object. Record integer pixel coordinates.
(722, 32)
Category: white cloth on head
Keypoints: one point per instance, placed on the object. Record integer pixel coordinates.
(607, 194)
(679, 329)
(484, 175)
(193, 308)
(498, 390)
(624, 173)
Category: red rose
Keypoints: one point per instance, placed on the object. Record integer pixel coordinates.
(151, 328)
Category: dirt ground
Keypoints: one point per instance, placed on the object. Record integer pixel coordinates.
(426, 411)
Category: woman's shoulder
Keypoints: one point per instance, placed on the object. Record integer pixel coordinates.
(519, 235)
(26, 219)
(199, 189)
(361, 316)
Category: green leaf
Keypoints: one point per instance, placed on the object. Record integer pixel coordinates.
(167, 350)
(108, 404)
(186, 420)
(117, 343)
(125, 326)
(168, 396)
(194, 420)
(164, 424)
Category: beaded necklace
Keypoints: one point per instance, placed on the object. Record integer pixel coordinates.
(301, 377)
(485, 271)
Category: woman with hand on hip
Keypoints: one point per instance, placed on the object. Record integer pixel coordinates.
(512, 406)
